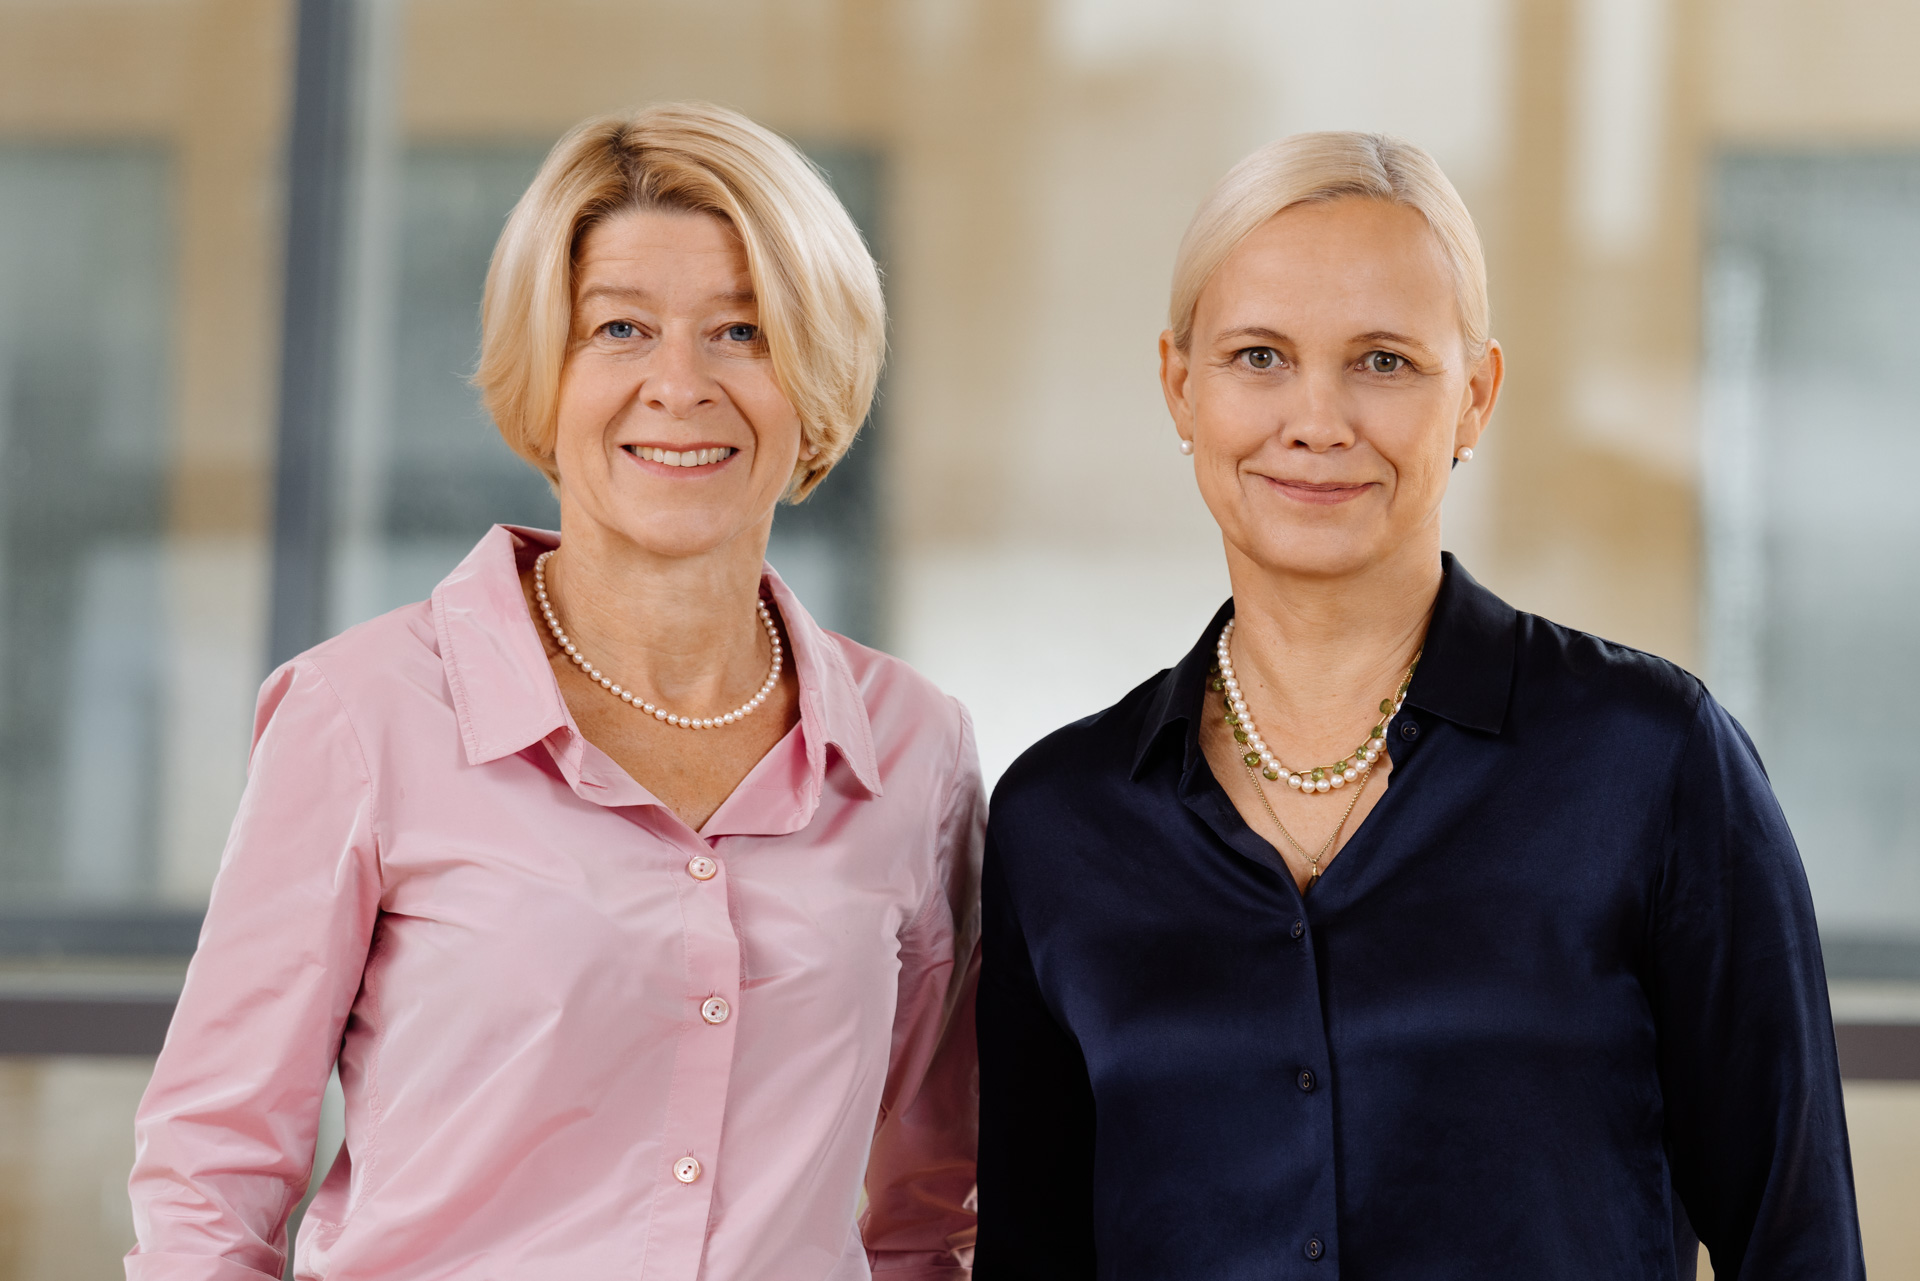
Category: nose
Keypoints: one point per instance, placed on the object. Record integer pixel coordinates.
(1319, 419)
(677, 382)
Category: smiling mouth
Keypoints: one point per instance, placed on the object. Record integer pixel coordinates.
(1320, 492)
(681, 457)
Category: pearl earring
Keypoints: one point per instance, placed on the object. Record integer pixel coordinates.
(1186, 446)
(1466, 453)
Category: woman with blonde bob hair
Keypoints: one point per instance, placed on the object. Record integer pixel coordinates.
(635, 909)
(1392, 932)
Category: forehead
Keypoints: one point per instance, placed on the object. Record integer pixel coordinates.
(1352, 261)
(666, 246)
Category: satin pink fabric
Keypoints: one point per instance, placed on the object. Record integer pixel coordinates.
(436, 880)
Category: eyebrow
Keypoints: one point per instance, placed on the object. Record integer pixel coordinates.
(1387, 335)
(1263, 334)
(732, 298)
(1254, 331)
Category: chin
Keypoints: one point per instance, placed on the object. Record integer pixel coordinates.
(682, 539)
(1313, 553)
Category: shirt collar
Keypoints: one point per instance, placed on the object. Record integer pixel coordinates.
(1465, 673)
(1466, 670)
(505, 694)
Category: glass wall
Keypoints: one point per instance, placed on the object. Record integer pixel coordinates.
(1813, 440)
(85, 279)
(140, 248)
(139, 221)
(427, 474)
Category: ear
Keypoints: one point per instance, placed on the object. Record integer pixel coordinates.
(1175, 382)
(1476, 405)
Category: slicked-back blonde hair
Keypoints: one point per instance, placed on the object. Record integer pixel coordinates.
(816, 285)
(1312, 168)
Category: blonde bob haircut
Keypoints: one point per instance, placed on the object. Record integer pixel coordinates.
(816, 285)
(1314, 168)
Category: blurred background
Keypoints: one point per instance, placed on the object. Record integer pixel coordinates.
(241, 251)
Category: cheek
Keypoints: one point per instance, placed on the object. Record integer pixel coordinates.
(1234, 417)
(774, 420)
(1414, 432)
(591, 391)
(1420, 473)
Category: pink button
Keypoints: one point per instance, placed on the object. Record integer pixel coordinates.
(715, 1010)
(686, 1169)
(702, 868)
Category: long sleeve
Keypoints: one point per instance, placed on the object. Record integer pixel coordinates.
(224, 1136)
(1036, 1112)
(919, 1222)
(1756, 1129)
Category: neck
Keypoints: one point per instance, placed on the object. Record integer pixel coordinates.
(1316, 654)
(680, 628)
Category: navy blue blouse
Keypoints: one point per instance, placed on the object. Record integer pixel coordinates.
(1560, 994)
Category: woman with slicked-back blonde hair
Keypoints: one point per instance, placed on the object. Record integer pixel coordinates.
(636, 911)
(1392, 932)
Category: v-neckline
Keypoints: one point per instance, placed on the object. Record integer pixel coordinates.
(1210, 800)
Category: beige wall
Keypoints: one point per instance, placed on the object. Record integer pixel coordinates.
(1813, 72)
(66, 1143)
(207, 79)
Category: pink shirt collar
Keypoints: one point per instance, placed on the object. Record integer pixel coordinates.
(507, 699)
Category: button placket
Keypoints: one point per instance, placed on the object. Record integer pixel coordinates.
(702, 1069)
(1308, 1073)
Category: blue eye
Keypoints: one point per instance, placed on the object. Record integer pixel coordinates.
(743, 333)
(622, 329)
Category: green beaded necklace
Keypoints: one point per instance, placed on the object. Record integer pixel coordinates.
(1320, 779)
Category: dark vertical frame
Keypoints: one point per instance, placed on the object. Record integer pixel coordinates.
(319, 156)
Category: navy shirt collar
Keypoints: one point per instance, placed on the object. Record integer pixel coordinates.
(1465, 674)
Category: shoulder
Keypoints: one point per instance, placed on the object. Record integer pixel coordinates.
(1660, 732)
(1083, 756)
(1563, 672)
(379, 670)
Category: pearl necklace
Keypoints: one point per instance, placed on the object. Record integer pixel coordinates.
(1325, 778)
(568, 648)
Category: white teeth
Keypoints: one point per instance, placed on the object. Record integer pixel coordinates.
(683, 457)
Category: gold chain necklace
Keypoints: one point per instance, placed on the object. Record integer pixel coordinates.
(1313, 860)
(1259, 762)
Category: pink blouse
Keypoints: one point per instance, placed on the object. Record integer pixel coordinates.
(578, 1039)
